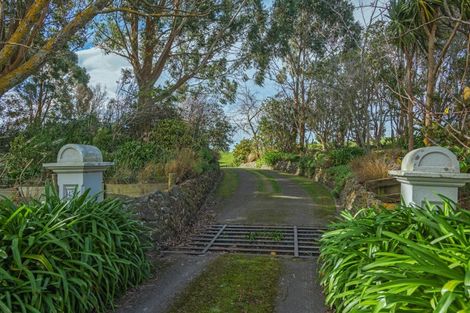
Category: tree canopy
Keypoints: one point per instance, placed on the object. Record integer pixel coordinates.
(397, 77)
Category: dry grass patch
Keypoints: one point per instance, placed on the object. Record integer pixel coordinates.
(183, 165)
(151, 172)
(375, 165)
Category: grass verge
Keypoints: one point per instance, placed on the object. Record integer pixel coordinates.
(266, 177)
(274, 183)
(229, 183)
(233, 284)
(261, 182)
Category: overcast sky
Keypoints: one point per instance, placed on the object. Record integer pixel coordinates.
(104, 69)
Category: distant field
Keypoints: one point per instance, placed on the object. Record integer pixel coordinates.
(226, 159)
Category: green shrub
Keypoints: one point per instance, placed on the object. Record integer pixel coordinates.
(321, 159)
(344, 155)
(107, 139)
(407, 260)
(172, 134)
(260, 162)
(241, 151)
(26, 155)
(463, 156)
(272, 157)
(339, 174)
(146, 158)
(208, 160)
(307, 165)
(135, 154)
(34, 146)
(68, 256)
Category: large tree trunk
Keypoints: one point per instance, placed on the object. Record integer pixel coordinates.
(302, 136)
(410, 100)
(430, 84)
(297, 118)
(146, 111)
(14, 76)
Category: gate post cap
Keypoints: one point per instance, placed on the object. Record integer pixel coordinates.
(431, 159)
(75, 153)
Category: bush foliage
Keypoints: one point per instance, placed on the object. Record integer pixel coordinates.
(242, 151)
(407, 260)
(188, 163)
(170, 148)
(173, 134)
(136, 159)
(340, 174)
(135, 154)
(272, 157)
(68, 256)
(344, 155)
(315, 158)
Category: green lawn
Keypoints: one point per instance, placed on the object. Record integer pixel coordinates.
(233, 284)
(226, 159)
(229, 184)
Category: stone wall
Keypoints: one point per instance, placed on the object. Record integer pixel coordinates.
(355, 195)
(287, 167)
(171, 215)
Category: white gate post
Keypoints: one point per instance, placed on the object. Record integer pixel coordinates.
(79, 168)
(428, 173)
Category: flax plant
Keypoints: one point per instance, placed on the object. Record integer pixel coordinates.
(407, 260)
(68, 256)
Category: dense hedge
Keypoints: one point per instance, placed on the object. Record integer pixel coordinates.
(334, 157)
(272, 157)
(344, 155)
(242, 151)
(339, 174)
(140, 159)
(406, 260)
(73, 256)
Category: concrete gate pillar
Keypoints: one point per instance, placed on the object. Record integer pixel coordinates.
(427, 174)
(79, 168)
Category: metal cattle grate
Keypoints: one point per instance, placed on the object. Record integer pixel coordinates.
(281, 240)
